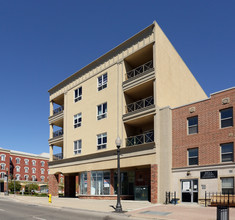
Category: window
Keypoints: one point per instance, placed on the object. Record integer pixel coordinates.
(127, 183)
(17, 160)
(227, 185)
(26, 169)
(26, 177)
(42, 163)
(227, 152)
(77, 147)
(83, 183)
(193, 156)
(193, 125)
(226, 116)
(3, 156)
(101, 141)
(61, 180)
(102, 81)
(26, 161)
(2, 175)
(3, 166)
(42, 171)
(17, 177)
(33, 170)
(77, 120)
(102, 111)
(34, 178)
(42, 178)
(77, 94)
(34, 162)
(100, 183)
(17, 169)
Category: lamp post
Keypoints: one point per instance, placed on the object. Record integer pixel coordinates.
(118, 145)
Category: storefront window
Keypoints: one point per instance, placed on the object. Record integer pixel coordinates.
(100, 183)
(83, 183)
(127, 183)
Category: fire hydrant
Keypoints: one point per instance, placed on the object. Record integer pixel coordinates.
(49, 198)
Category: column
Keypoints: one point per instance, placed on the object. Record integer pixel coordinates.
(53, 184)
(154, 183)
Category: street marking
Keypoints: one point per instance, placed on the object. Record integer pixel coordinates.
(38, 218)
(2, 210)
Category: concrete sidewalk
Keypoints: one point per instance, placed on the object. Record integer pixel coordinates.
(133, 209)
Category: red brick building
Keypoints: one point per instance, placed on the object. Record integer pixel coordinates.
(203, 136)
(23, 167)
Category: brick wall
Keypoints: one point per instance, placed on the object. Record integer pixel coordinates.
(53, 184)
(209, 136)
(153, 183)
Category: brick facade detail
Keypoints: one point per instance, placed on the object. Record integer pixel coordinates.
(154, 183)
(210, 134)
(53, 184)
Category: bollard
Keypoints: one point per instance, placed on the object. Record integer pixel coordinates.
(49, 198)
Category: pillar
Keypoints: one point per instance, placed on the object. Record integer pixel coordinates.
(154, 183)
(53, 184)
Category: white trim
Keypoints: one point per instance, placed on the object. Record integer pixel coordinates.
(77, 117)
(102, 115)
(4, 157)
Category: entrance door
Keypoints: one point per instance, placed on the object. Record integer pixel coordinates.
(189, 189)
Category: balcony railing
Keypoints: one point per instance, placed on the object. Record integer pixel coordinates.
(58, 110)
(147, 137)
(139, 70)
(139, 104)
(58, 133)
(58, 156)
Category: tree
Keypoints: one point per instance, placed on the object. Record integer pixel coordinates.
(17, 186)
(30, 187)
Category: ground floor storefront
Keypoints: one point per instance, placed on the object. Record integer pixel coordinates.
(137, 183)
(192, 185)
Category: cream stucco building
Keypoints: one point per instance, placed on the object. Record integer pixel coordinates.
(127, 92)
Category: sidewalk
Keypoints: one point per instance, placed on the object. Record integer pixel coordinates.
(133, 209)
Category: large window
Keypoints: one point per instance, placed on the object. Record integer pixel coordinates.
(227, 152)
(227, 185)
(101, 141)
(193, 156)
(77, 147)
(3, 166)
(26, 161)
(33, 170)
(17, 160)
(42, 171)
(17, 169)
(26, 177)
(102, 111)
(127, 183)
(102, 81)
(226, 116)
(42, 163)
(77, 120)
(34, 178)
(3, 156)
(17, 177)
(83, 183)
(26, 169)
(34, 162)
(77, 94)
(193, 125)
(100, 183)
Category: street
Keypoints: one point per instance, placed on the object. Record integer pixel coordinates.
(12, 210)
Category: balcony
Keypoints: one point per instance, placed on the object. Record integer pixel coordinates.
(58, 156)
(143, 103)
(58, 110)
(145, 138)
(58, 133)
(140, 69)
(139, 75)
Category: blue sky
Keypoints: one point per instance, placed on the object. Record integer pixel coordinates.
(43, 42)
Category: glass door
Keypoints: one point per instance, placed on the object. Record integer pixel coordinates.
(189, 190)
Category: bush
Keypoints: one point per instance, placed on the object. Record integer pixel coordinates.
(11, 186)
(31, 187)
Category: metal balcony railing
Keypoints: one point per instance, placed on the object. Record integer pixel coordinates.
(147, 137)
(58, 156)
(139, 104)
(139, 70)
(58, 133)
(57, 110)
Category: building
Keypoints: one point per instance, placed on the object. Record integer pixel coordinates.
(127, 92)
(23, 167)
(203, 137)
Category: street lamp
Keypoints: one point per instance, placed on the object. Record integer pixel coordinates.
(118, 145)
